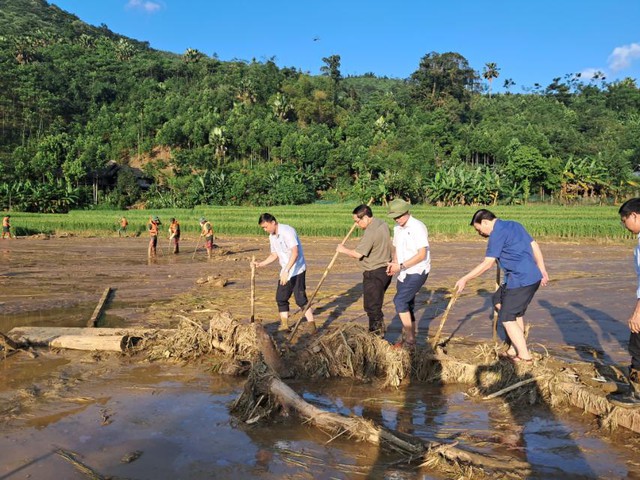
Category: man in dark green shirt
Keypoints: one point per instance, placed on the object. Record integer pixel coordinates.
(373, 253)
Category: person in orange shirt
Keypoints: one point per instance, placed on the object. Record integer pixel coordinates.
(154, 222)
(122, 231)
(174, 235)
(207, 233)
(6, 226)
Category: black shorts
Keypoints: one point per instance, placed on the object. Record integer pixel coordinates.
(514, 301)
(297, 286)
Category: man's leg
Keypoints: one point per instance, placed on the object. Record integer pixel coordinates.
(299, 290)
(283, 293)
(516, 334)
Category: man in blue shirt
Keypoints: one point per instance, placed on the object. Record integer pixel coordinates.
(521, 259)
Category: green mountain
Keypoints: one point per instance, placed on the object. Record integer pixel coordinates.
(85, 113)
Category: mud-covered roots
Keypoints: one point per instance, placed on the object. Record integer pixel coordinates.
(193, 340)
(351, 351)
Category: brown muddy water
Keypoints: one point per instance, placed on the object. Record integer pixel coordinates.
(105, 407)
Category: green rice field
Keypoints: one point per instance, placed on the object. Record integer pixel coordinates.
(331, 220)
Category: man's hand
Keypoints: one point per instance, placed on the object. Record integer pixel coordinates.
(393, 268)
(341, 248)
(460, 284)
(634, 323)
(545, 278)
(284, 277)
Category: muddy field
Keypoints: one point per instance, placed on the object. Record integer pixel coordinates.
(109, 409)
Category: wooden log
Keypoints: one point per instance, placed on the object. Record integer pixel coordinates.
(103, 343)
(269, 353)
(93, 321)
(42, 336)
(367, 430)
(7, 342)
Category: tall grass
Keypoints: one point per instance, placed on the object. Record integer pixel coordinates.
(333, 220)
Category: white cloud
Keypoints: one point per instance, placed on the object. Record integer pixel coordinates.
(622, 57)
(146, 5)
(589, 73)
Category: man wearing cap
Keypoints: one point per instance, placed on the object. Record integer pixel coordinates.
(373, 253)
(412, 262)
(207, 233)
(154, 222)
(174, 235)
(286, 247)
(520, 257)
(6, 226)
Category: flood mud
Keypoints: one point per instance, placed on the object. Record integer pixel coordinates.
(106, 407)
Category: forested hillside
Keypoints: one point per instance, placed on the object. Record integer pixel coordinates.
(86, 115)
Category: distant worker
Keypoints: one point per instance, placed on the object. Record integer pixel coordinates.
(122, 231)
(6, 226)
(174, 235)
(207, 233)
(412, 262)
(285, 247)
(373, 253)
(520, 257)
(154, 223)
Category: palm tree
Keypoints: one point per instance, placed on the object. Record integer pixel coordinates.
(490, 72)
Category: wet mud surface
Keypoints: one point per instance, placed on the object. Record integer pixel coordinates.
(104, 407)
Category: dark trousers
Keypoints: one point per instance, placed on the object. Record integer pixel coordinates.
(374, 285)
(297, 286)
(634, 350)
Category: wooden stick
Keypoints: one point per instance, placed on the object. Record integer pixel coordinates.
(93, 321)
(196, 249)
(495, 310)
(7, 342)
(253, 288)
(436, 338)
(511, 387)
(324, 275)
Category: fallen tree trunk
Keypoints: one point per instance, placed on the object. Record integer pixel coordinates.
(43, 336)
(366, 430)
(103, 343)
(7, 342)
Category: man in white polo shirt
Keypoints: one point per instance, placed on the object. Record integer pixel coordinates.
(412, 262)
(286, 247)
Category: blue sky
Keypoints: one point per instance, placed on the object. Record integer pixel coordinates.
(531, 42)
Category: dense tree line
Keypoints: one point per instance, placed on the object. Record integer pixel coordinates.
(78, 103)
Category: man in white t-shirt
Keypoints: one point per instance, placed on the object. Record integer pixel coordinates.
(286, 247)
(412, 262)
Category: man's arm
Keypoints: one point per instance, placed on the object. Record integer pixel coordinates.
(634, 320)
(479, 269)
(394, 267)
(537, 255)
(347, 251)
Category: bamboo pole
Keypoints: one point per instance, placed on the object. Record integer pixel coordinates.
(495, 310)
(196, 249)
(436, 337)
(324, 275)
(253, 289)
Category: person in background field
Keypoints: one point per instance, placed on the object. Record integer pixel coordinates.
(154, 222)
(412, 262)
(630, 218)
(122, 231)
(285, 247)
(373, 253)
(521, 260)
(207, 233)
(6, 226)
(174, 235)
